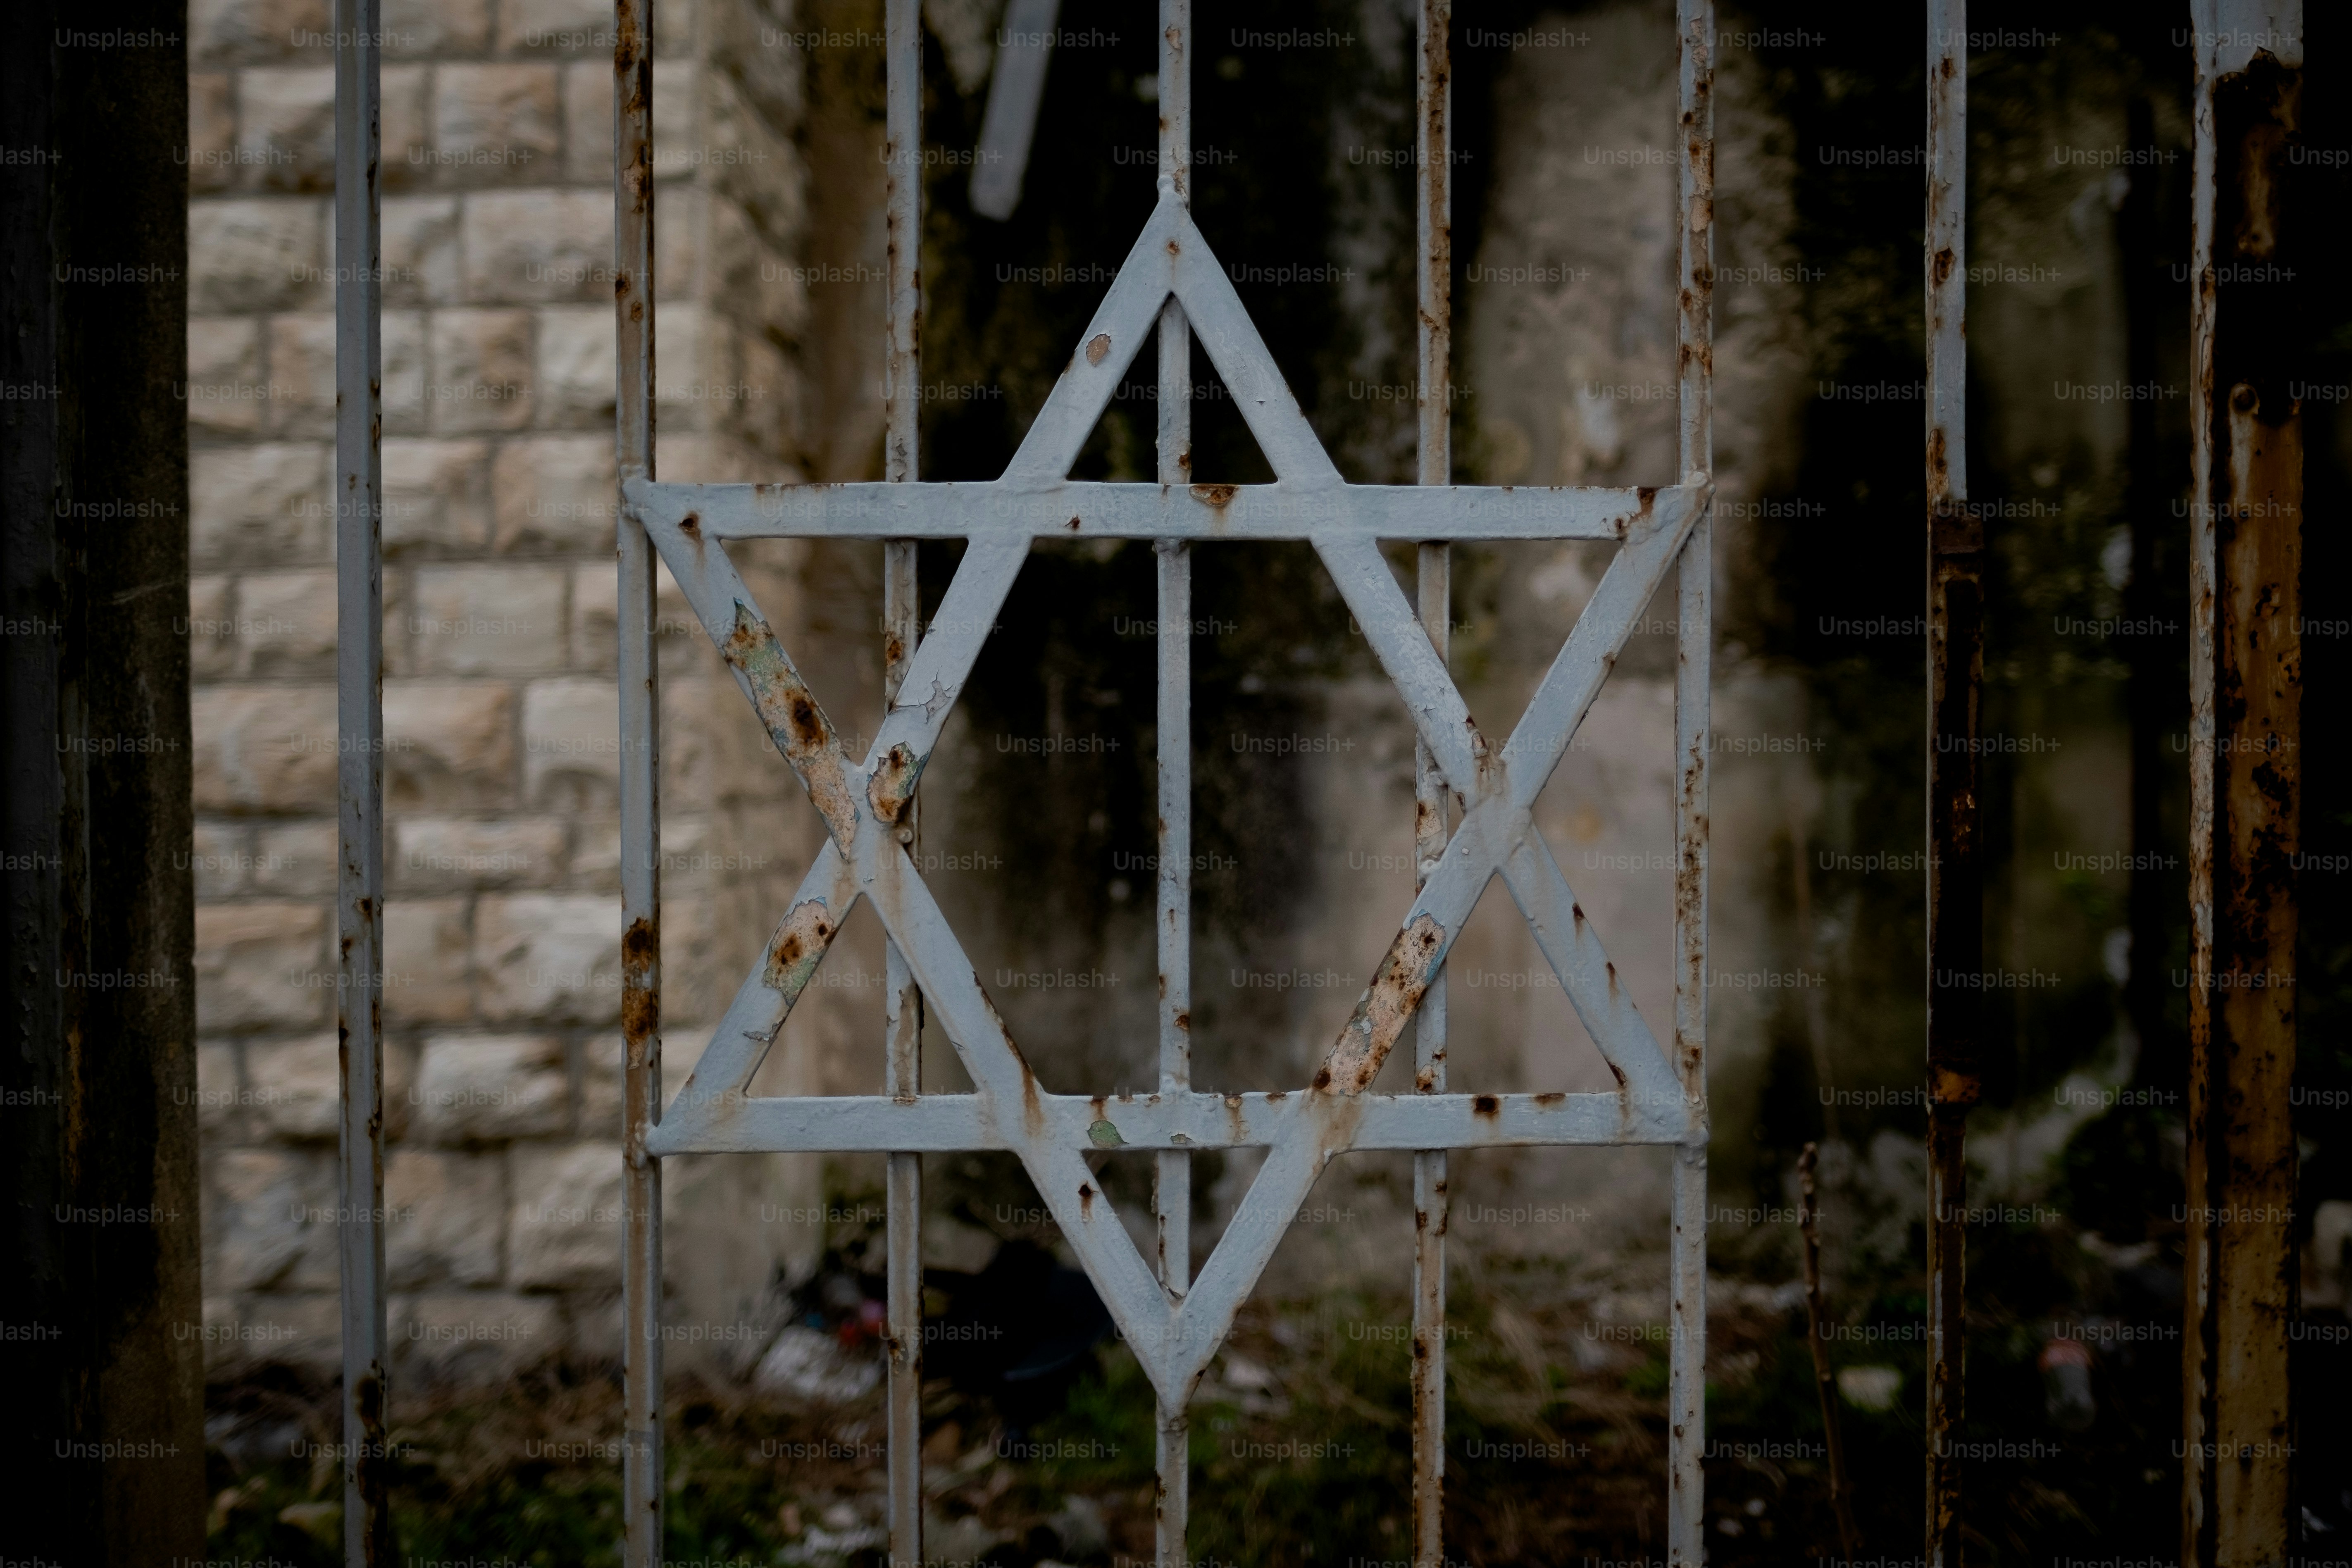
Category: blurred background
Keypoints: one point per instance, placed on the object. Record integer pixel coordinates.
(1039, 836)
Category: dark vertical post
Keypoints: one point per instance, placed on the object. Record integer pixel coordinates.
(1694, 35)
(1955, 843)
(902, 216)
(641, 1238)
(359, 774)
(1432, 823)
(2246, 789)
(98, 1112)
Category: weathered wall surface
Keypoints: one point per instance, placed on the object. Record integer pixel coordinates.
(502, 929)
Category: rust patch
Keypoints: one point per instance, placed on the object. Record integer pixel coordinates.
(1486, 1105)
(1097, 347)
(1184, 1020)
(800, 946)
(1072, 525)
(1218, 496)
(1397, 987)
(1551, 1099)
(640, 961)
(794, 720)
(1085, 1200)
(893, 784)
(691, 524)
(1941, 271)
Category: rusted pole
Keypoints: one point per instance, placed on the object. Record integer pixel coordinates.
(1433, 204)
(1955, 848)
(1809, 1219)
(1694, 668)
(2245, 788)
(1171, 1194)
(642, 1491)
(901, 612)
(358, 774)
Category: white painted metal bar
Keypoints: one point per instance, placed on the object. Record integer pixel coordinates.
(1064, 509)
(1025, 47)
(642, 1490)
(1433, 800)
(1955, 660)
(358, 774)
(939, 1123)
(902, 613)
(1172, 565)
(1694, 649)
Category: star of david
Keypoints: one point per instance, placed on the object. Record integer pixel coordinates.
(1174, 1334)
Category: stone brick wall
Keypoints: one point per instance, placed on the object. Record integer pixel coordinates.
(502, 852)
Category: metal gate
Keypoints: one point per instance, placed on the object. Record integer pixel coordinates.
(1474, 801)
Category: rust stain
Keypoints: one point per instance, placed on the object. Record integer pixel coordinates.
(640, 959)
(1551, 1099)
(799, 947)
(1085, 1200)
(1397, 987)
(794, 720)
(893, 784)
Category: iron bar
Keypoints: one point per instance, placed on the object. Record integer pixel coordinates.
(941, 1124)
(2245, 788)
(1025, 47)
(1434, 287)
(1955, 849)
(903, 1196)
(359, 772)
(1059, 508)
(1172, 566)
(1694, 655)
(642, 1490)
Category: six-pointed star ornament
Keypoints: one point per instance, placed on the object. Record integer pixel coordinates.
(1174, 1335)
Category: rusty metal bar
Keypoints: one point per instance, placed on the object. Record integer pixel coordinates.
(1694, 655)
(1434, 287)
(359, 772)
(1055, 507)
(642, 1490)
(2245, 790)
(1955, 849)
(901, 612)
(1172, 561)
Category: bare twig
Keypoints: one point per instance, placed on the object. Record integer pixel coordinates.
(1841, 1489)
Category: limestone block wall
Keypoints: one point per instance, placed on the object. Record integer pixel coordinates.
(502, 851)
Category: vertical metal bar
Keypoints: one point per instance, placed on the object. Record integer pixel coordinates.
(1433, 287)
(642, 1490)
(359, 769)
(1172, 1173)
(1955, 850)
(2246, 789)
(1693, 632)
(901, 615)
(903, 1192)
